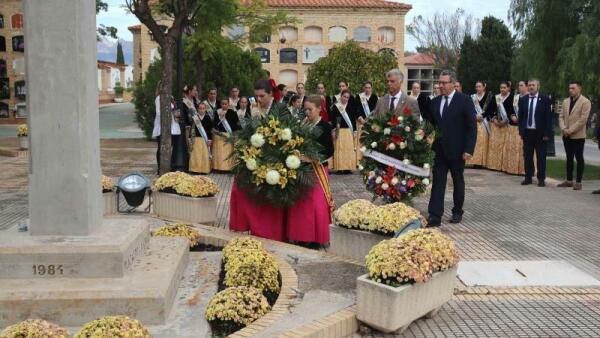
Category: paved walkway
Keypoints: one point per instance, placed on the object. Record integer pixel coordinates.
(503, 221)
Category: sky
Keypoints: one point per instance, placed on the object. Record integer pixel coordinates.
(118, 17)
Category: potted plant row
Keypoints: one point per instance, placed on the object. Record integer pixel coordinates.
(359, 224)
(184, 197)
(409, 277)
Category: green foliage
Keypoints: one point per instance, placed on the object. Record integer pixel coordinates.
(102, 30)
(144, 95)
(120, 54)
(118, 89)
(354, 64)
(487, 58)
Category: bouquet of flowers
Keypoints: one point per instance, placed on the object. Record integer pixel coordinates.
(268, 152)
(22, 130)
(397, 156)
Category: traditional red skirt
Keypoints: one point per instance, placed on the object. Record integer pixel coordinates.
(308, 219)
(261, 220)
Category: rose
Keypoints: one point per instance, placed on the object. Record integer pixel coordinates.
(285, 134)
(371, 174)
(391, 146)
(251, 164)
(406, 111)
(403, 182)
(426, 166)
(360, 167)
(375, 128)
(426, 181)
(402, 145)
(407, 129)
(385, 186)
(401, 118)
(387, 131)
(363, 149)
(394, 181)
(378, 180)
(257, 140)
(406, 161)
(292, 162)
(272, 177)
(410, 183)
(374, 145)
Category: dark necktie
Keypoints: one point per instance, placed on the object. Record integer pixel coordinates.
(392, 104)
(445, 105)
(530, 112)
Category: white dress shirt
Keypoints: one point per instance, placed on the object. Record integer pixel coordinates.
(175, 130)
(397, 96)
(443, 101)
(535, 99)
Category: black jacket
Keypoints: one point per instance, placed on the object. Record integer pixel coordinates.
(336, 116)
(232, 119)
(457, 129)
(325, 139)
(543, 115)
(372, 104)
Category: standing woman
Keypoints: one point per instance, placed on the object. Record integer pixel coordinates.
(344, 119)
(499, 126)
(512, 155)
(226, 123)
(295, 107)
(243, 111)
(201, 140)
(366, 103)
(483, 102)
(307, 221)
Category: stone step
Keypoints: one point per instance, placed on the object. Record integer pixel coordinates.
(145, 293)
(106, 253)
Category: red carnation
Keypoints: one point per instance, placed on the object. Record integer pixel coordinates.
(410, 183)
(394, 121)
(406, 111)
(397, 139)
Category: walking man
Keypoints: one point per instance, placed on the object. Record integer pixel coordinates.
(573, 120)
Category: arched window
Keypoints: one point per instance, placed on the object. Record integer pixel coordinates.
(313, 34)
(362, 34)
(18, 43)
(1, 21)
(2, 44)
(288, 77)
(3, 110)
(17, 21)
(288, 34)
(264, 54)
(386, 35)
(288, 55)
(3, 69)
(338, 34)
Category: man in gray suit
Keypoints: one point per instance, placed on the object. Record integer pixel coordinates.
(395, 99)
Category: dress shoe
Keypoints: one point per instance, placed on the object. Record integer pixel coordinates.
(541, 184)
(596, 192)
(526, 181)
(433, 222)
(456, 218)
(565, 184)
(577, 186)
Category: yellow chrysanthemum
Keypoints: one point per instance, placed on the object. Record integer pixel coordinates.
(34, 328)
(442, 248)
(179, 230)
(396, 262)
(107, 183)
(113, 326)
(22, 130)
(242, 305)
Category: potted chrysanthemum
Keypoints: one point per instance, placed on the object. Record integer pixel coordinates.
(109, 196)
(113, 326)
(34, 328)
(22, 134)
(185, 197)
(358, 225)
(409, 277)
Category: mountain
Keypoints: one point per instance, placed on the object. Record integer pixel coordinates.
(107, 50)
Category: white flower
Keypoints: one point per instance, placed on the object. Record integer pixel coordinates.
(426, 181)
(360, 167)
(292, 162)
(385, 186)
(371, 173)
(387, 131)
(400, 118)
(251, 164)
(394, 181)
(286, 134)
(426, 166)
(363, 149)
(407, 128)
(402, 145)
(391, 146)
(272, 177)
(374, 145)
(406, 161)
(403, 182)
(257, 140)
(378, 180)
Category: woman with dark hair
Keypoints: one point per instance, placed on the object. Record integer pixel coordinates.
(295, 107)
(513, 161)
(344, 122)
(282, 89)
(243, 109)
(485, 108)
(498, 126)
(307, 221)
(226, 123)
(201, 136)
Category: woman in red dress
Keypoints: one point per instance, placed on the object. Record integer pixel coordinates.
(307, 221)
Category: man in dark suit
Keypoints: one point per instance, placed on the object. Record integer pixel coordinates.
(453, 114)
(535, 128)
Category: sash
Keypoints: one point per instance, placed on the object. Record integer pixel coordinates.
(225, 123)
(324, 183)
(210, 109)
(365, 104)
(232, 104)
(345, 116)
(480, 113)
(516, 104)
(337, 98)
(396, 163)
(501, 110)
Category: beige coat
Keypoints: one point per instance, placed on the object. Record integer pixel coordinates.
(576, 120)
(383, 106)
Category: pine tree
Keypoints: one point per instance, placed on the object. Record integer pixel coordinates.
(120, 55)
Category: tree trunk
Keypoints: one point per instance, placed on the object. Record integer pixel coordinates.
(200, 72)
(166, 88)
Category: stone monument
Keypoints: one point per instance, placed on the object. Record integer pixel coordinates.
(74, 266)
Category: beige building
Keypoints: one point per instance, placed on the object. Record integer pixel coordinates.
(287, 55)
(421, 68)
(12, 63)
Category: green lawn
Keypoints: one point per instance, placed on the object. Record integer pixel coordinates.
(557, 169)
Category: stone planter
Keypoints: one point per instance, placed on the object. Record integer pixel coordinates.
(23, 142)
(389, 309)
(186, 209)
(354, 244)
(110, 203)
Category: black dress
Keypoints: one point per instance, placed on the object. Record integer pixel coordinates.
(232, 119)
(372, 102)
(325, 140)
(337, 118)
(180, 157)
